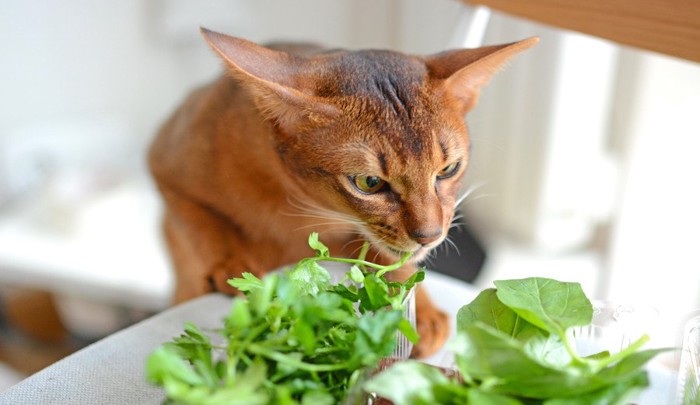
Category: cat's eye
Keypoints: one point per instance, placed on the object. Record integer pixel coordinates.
(368, 184)
(448, 171)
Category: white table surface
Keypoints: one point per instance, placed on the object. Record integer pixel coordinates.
(112, 371)
(106, 247)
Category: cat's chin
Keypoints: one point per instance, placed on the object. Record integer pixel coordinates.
(419, 254)
(416, 255)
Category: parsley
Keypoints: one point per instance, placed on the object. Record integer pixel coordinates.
(514, 346)
(295, 338)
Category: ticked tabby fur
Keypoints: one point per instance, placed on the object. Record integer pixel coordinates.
(356, 145)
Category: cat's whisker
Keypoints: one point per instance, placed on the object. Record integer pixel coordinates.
(355, 252)
(480, 196)
(449, 243)
(428, 259)
(324, 217)
(376, 254)
(469, 191)
(457, 224)
(308, 209)
(318, 224)
(485, 140)
(456, 218)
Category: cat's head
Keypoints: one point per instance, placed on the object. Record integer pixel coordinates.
(376, 137)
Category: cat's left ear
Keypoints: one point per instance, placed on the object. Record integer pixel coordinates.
(275, 80)
(463, 72)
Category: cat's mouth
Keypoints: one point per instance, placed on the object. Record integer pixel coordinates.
(395, 251)
(416, 254)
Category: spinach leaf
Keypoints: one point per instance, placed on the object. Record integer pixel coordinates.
(548, 304)
(513, 346)
(408, 382)
(487, 308)
(484, 353)
(476, 396)
(611, 394)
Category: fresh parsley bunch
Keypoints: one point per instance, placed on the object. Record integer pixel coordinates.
(296, 338)
(514, 346)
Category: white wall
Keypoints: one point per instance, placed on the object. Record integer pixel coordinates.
(653, 254)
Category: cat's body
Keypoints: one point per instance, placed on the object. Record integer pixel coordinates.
(354, 145)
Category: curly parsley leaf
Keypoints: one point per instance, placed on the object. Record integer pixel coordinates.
(295, 338)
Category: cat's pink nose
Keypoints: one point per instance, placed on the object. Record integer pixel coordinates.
(426, 237)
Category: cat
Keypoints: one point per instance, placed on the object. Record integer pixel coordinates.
(356, 145)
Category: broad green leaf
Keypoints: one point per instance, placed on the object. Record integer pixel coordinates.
(629, 365)
(476, 396)
(620, 393)
(549, 304)
(548, 350)
(598, 356)
(483, 352)
(487, 308)
(407, 383)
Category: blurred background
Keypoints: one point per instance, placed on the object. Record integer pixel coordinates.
(584, 163)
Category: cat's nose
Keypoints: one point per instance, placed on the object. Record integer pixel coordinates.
(426, 237)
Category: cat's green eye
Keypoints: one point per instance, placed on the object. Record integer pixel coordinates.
(368, 184)
(448, 171)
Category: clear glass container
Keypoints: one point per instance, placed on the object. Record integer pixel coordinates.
(688, 388)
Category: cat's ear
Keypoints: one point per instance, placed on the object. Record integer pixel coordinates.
(463, 72)
(275, 80)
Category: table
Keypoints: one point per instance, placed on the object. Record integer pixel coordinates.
(112, 371)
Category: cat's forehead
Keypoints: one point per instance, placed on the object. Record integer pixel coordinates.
(389, 109)
(371, 74)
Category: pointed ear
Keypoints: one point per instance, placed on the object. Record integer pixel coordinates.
(463, 72)
(275, 80)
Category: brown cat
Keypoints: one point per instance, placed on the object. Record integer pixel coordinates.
(355, 145)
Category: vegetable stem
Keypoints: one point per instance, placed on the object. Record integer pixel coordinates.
(294, 362)
(381, 269)
(604, 362)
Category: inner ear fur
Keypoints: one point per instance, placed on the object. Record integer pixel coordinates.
(464, 72)
(274, 79)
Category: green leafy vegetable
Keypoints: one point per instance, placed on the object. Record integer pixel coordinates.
(549, 304)
(514, 346)
(295, 338)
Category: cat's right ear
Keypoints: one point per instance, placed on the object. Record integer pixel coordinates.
(274, 78)
(462, 73)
